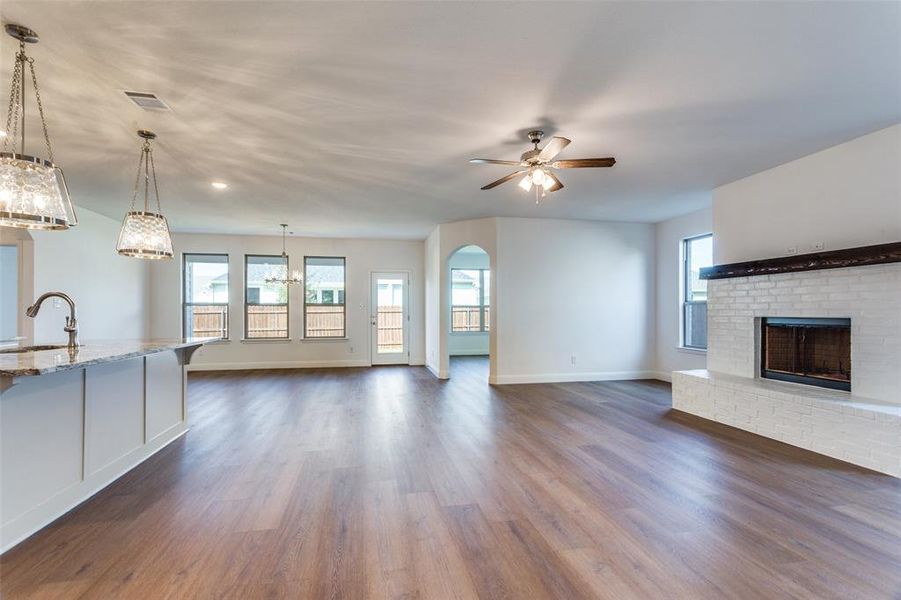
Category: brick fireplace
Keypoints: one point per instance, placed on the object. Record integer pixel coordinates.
(810, 358)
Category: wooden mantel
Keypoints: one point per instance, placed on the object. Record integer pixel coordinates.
(834, 259)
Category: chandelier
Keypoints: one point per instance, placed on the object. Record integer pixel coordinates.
(145, 234)
(33, 192)
(281, 275)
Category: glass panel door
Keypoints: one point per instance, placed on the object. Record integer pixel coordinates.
(390, 319)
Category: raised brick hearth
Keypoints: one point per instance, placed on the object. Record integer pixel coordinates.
(861, 427)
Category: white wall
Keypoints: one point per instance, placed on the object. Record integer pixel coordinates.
(845, 196)
(9, 291)
(110, 291)
(468, 343)
(363, 257)
(432, 277)
(669, 356)
(578, 289)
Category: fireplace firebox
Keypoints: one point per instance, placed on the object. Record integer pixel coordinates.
(810, 351)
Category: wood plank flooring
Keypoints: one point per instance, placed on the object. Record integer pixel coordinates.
(387, 483)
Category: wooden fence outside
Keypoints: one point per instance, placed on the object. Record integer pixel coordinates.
(466, 318)
(270, 321)
(390, 329)
(208, 320)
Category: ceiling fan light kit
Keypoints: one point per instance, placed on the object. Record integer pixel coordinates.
(33, 190)
(536, 165)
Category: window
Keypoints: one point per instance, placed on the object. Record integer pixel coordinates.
(470, 300)
(697, 253)
(265, 304)
(323, 307)
(205, 295)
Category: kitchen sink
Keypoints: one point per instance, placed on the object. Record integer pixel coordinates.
(32, 349)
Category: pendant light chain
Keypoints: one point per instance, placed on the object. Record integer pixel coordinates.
(156, 189)
(146, 164)
(134, 195)
(17, 104)
(146, 175)
(37, 99)
(12, 111)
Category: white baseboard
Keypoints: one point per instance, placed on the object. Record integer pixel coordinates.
(663, 376)
(53, 508)
(296, 364)
(572, 377)
(470, 353)
(286, 364)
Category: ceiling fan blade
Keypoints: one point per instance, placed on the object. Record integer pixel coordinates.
(494, 184)
(491, 161)
(553, 148)
(582, 163)
(558, 185)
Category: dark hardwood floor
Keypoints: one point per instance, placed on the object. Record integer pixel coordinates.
(387, 483)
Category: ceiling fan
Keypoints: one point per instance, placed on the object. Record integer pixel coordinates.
(537, 166)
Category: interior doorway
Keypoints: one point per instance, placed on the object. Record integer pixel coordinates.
(390, 318)
(470, 305)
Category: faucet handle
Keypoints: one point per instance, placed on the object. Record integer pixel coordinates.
(70, 323)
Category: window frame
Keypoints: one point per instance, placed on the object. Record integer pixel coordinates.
(342, 304)
(685, 285)
(185, 303)
(482, 306)
(287, 303)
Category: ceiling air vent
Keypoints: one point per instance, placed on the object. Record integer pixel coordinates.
(147, 101)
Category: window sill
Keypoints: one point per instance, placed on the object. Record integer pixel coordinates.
(220, 341)
(325, 339)
(265, 340)
(688, 350)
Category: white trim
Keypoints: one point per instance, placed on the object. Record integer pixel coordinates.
(436, 372)
(688, 350)
(374, 359)
(471, 352)
(573, 377)
(287, 364)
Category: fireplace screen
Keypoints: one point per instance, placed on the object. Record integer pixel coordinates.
(811, 351)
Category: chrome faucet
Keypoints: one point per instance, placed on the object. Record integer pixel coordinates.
(71, 322)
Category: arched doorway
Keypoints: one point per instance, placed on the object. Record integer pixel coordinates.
(469, 309)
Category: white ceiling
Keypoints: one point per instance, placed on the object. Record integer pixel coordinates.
(357, 119)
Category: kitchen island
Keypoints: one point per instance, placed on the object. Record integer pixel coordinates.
(74, 420)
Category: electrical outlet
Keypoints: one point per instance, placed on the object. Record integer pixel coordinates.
(818, 246)
(572, 359)
(350, 350)
(791, 250)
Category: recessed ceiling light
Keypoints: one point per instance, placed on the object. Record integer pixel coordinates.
(219, 185)
(2, 134)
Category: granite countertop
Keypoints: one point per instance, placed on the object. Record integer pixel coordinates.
(41, 362)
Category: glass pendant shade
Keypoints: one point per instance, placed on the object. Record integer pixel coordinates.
(281, 275)
(33, 194)
(144, 235)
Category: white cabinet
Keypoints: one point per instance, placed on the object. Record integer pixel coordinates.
(66, 435)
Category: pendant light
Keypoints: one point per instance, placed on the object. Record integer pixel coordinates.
(295, 278)
(33, 192)
(145, 234)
